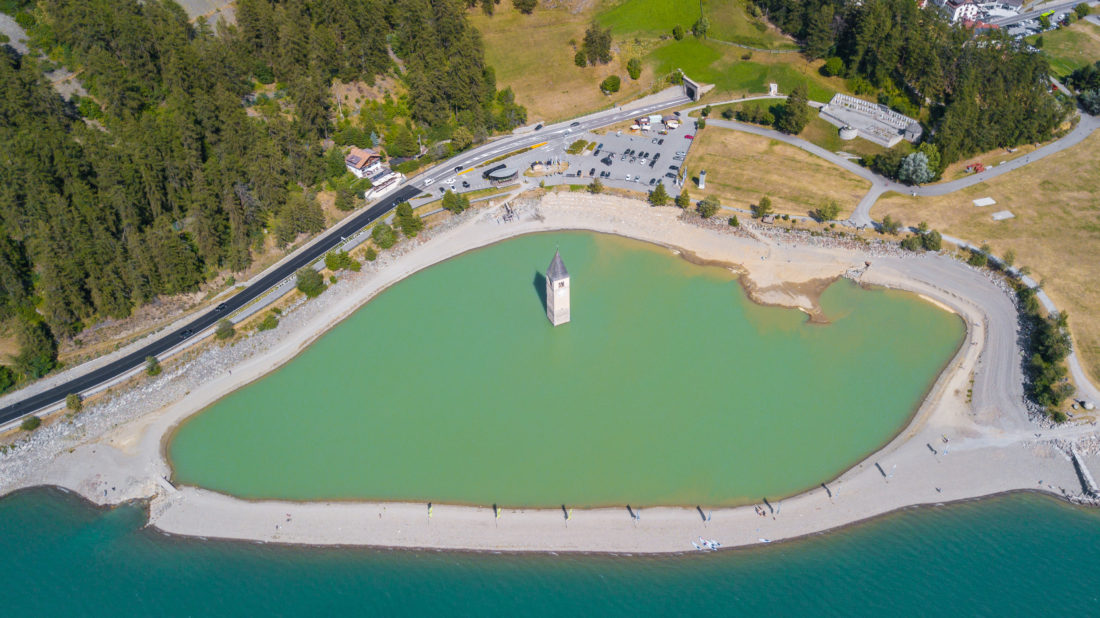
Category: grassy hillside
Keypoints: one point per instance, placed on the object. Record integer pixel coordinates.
(534, 53)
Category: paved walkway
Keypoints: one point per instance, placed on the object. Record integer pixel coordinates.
(861, 217)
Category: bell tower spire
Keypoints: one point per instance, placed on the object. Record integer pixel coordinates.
(557, 291)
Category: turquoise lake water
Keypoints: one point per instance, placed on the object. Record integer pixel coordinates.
(669, 386)
(1020, 555)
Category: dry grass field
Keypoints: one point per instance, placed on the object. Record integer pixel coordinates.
(1056, 232)
(533, 55)
(742, 168)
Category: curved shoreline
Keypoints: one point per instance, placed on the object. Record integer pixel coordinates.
(994, 449)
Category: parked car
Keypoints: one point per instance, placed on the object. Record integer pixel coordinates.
(574, 124)
(465, 185)
(623, 158)
(538, 126)
(592, 172)
(652, 181)
(674, 168)
(681, 153)
(661, 141)
(653, 163)
(653, 141)
(599, 146)
(628, 177)
(670, 175)
(689, 136)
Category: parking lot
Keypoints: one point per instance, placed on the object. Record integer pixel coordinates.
(634, 160)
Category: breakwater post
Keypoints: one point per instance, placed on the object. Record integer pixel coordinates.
(1087, 482)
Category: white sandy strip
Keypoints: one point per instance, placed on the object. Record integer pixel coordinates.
(992, 446)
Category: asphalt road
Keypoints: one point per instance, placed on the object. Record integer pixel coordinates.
(318, 248)
(172, 339)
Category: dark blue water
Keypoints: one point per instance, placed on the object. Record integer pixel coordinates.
(1016, 555)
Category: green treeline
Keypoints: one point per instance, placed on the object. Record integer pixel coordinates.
(165, 174)
(983, 92)
(1048, 343)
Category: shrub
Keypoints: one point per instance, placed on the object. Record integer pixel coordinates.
(74, 402)
(977, 258)
(224, 329)
(634, 68)
(678, 32)
(611, 84)
(708, 206)
(912, 243)
(734, 222)
(454, 202)
(30, 423)
(370, 254)
(525, 6)
(310, 282)
(932, 240)
(269, 322)
(827, 211)
(152, 366)
(7, 378)
(834, 66)
(336, 260)
(658, 196)
(890, 225)
(596, 186)
(762, 209)
(576, 147)
(728, 113)
(683, 200)
(580, 59)
(383, 236)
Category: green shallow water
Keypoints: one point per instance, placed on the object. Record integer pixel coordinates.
(1020, 555)
(668, 387)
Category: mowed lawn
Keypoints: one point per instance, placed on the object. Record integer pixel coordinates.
(1071, 48)
(742, 168)
(1056, 232)
(729, 21)
(731, 74)
(652, 17)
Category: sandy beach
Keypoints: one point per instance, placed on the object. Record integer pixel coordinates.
(971, 437)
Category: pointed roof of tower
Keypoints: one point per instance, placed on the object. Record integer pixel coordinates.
(557, 268)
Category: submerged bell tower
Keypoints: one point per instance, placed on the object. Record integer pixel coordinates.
(557, 291)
